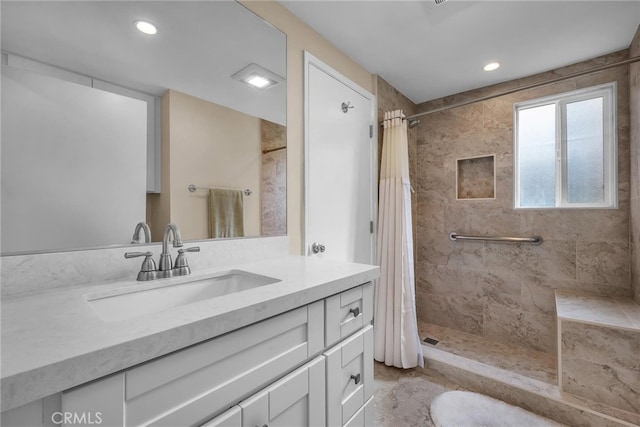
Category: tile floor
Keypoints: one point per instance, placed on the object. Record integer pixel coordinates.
(403, 397)
(530, 363)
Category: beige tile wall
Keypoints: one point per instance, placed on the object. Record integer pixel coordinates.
(389, 99)
(634, 81)
(601, 364)
(504, 291)
(273, 179)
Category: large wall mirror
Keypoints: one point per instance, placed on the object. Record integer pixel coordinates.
(104, 126)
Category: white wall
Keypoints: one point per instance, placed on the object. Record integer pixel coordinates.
(300, 38)
(54, 131)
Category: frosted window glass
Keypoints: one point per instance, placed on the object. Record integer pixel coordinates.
(585, 156)
(536, 156)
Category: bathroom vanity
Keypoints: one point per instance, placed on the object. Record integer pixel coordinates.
(294, 352)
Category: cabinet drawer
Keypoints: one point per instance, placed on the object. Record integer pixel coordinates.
(231, 418)
(349, 376)
(189, 386)
(296, 400)
(364, 416)
(347, 312)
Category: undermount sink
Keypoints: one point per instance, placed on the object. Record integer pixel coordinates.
(127, 304)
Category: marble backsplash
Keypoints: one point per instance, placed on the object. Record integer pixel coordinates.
(35, 272)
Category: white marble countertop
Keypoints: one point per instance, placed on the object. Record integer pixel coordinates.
(617, 312)
(53, 340)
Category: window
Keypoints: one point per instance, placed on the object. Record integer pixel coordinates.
(565, 150)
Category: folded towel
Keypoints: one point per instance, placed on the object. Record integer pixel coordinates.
(226, 213)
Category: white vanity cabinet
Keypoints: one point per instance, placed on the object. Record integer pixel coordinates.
(298, 399)
(231, 418)
(311, 366)
(189, 386)
(349, 377)
(347, 312)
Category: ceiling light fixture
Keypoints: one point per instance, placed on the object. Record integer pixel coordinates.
(257, 76)
(491, 66)
(146, 27)
(258, 81)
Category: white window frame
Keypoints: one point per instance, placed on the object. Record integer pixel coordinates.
(610, 163)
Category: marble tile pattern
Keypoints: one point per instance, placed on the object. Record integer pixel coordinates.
(612, 312)
(37, 272)
(601, 364)
(274, 179)
(524, 361)
(634, 80)
(600, 349)
(505, 292)
(402, 398)
(476, 178)
(533, 395)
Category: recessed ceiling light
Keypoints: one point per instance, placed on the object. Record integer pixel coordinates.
(258, 81)
(146, 27)
(257, 76)
(492, 66)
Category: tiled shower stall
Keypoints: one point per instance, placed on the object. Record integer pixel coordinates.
(505, 294)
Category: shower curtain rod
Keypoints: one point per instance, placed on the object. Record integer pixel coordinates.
(530, 86)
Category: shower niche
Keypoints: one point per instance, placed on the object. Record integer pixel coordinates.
(476, 178)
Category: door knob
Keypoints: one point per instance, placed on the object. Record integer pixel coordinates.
(317, 247)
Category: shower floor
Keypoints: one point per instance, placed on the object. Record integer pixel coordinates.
(530, 363)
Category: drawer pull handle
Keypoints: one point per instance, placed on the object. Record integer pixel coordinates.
(355, 311)
(356, 378)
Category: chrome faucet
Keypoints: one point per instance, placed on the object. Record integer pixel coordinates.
(165, 256)
(141, 226)
(148, 270)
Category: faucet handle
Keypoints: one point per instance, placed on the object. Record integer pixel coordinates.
(148, 264)
(191, 249)
(137, 254)
(181, 266)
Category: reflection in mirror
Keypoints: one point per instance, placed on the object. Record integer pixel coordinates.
(105, 127)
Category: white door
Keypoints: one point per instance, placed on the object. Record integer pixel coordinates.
(340, 155)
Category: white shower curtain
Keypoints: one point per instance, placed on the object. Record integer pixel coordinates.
(397, 342)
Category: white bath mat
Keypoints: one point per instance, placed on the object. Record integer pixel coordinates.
(466, 409)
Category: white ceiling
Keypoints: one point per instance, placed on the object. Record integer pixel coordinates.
(427, 51)
(199, 45)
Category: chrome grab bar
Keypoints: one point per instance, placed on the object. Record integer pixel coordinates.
(534, 240)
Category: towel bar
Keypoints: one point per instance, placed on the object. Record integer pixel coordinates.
(193, 188)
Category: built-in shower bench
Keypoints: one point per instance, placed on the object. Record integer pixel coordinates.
(599, 348)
